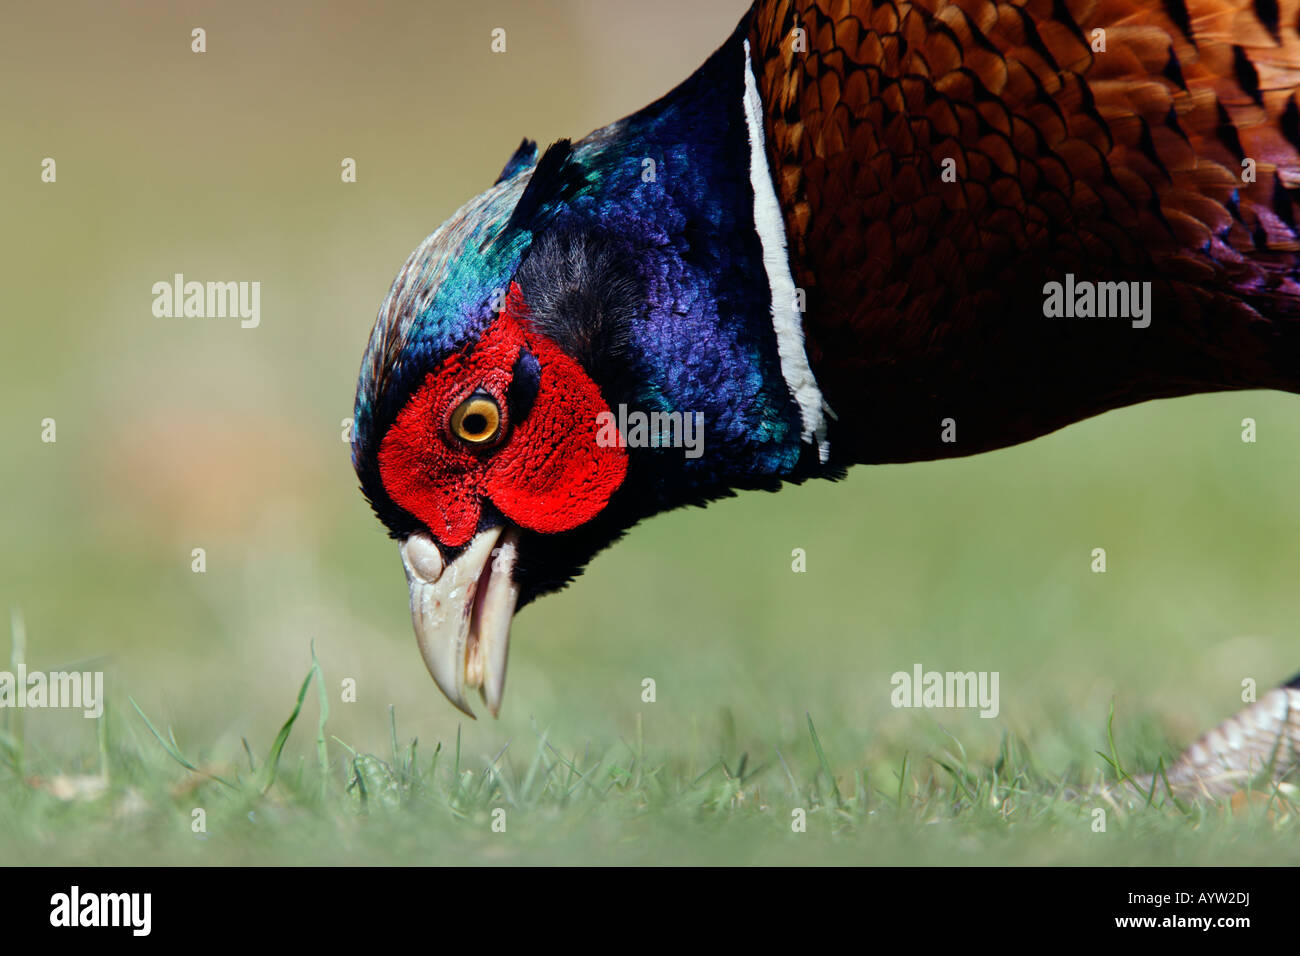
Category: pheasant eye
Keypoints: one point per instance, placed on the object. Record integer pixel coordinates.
(477, 420)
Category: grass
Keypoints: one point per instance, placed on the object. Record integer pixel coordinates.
(143, 797)
(772, 687)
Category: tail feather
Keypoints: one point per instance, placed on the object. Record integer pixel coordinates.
(1257, 747)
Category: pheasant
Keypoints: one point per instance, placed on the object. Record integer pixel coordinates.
(862, 231)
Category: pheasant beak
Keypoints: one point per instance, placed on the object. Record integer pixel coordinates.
(462, 612)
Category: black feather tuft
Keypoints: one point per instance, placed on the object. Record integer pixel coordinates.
(525, 155)
(582, 293)
(555, 178)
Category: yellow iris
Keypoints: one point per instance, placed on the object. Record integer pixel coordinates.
(477, 420)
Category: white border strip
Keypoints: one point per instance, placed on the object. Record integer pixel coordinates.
(786, 319)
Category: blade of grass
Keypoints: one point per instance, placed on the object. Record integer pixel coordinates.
(392, 734)
(902, 778)
(267, 776)
(323, 699)
(821, 756)
(794, 787)
(173, 751)
(1121, 775)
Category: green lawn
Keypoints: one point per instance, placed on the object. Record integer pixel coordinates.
(630, 800)
(977, 564)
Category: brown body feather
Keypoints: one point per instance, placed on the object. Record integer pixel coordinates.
(925, 297)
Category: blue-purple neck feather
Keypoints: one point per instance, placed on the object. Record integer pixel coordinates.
(667, 191)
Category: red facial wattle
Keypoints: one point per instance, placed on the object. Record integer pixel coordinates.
(546, 472)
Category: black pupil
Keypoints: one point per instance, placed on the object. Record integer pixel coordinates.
(474, 423)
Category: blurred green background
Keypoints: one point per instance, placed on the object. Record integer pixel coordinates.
(175, 434)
